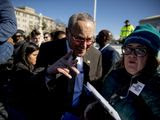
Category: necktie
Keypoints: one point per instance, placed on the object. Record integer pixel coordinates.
(78, 83)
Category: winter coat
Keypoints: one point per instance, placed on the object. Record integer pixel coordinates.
(145, 106)
(27, 92)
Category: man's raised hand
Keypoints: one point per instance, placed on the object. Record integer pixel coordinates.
(64, 65)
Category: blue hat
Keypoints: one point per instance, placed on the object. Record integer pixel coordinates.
(146, 35)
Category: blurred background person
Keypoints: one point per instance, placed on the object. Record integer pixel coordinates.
(125, 31)
(47, 37)
(109, 55)
(19, 36)
(58, 35)
(27, 55)
(35, 37)
(18, 39)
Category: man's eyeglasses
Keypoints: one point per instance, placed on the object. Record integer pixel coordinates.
(80, 39)
(140, 52)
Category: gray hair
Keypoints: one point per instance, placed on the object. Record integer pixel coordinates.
(79, 16)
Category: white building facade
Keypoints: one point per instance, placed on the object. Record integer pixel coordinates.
(154, 20)
(28, 19)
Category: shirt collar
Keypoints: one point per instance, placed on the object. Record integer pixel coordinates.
(105, 46)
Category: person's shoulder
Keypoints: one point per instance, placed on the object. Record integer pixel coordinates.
(20, 66)
(116, 76)
(131, 25)
(20, 69)
(94, 51)
(154, 80)
(52, 44)
(118, 71)
(93, 55)
(110, 50)
(156, 77)
(47, 43)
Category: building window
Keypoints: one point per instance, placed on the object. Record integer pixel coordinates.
(24, 15)
(31, 17)
(30, 22)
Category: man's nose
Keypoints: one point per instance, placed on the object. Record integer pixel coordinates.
(83, 43)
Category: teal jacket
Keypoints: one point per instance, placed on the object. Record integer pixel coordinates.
(146, 106)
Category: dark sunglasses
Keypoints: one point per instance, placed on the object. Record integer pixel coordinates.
(46, 37)
(139, 51)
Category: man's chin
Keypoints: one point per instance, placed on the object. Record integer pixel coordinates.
(81, 54)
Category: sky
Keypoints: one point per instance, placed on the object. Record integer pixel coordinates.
(110, 14)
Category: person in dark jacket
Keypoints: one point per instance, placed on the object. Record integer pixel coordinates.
(109, 55)
(133, 89)
(24, 88)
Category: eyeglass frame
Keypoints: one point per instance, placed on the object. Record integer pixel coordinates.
(79, 39)
(135, 51)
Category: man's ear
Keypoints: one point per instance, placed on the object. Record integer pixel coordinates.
(105, 38)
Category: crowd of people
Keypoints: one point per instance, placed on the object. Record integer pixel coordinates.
(45, 78)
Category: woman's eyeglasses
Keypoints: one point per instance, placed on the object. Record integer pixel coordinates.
(139, 51)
